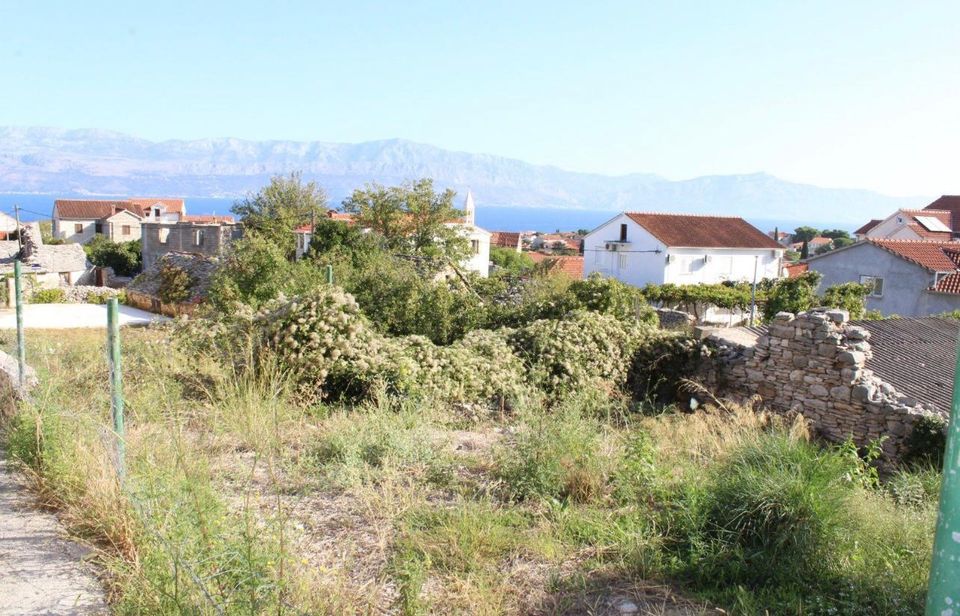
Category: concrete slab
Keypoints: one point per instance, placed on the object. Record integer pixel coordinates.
(69, 316)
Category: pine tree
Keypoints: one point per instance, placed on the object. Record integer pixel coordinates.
(805, 250)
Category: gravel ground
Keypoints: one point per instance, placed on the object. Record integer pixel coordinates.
(40, 571)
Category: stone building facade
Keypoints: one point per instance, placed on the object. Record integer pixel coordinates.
(208, 239)
(814, 364)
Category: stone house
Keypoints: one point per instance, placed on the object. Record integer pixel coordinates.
(909, 278)
(80, 220)
(144, 291)
(46, 266)
(641, 248)
(201, 238)
(868, 380)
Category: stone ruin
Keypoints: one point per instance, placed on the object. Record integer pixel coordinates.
(814, 364)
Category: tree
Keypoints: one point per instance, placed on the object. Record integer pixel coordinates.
(410, 217)
(793, 294)
(823, 249)
(123, 257)
(805, 234)
(280, 207)
(805, 250)
(175, 284)
(851, 296)
(511, 260)
(835, 234)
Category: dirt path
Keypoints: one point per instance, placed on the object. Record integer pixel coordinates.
(40, 571)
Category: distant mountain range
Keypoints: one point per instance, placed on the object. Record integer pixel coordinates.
(96, 162)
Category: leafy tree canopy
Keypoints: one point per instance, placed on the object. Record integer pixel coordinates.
(805, 234)
(280, 207)
(123, 257)
(411, 217)
(510, 260)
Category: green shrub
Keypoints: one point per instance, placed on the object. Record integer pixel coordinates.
(793, 295)
(927, 441)
(554, 457)
(123, 257)
(660, 366)
(48, 296)
(771, 514)
(584, 349)
(850, 296)
(610, 296)
(175, 284)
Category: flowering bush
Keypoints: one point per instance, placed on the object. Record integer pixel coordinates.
(583, 349)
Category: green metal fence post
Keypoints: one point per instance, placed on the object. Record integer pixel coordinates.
(329, 274)
(21, 341)
(116, 380)
(943, 594)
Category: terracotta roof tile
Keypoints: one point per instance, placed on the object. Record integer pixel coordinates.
(175, 206)
(870, 225)
(935, 256)
(207, 218)
(795, 269)
(948, 203)
(695, 231)
(569, 265)
(91, 209)
(505, 239)
(949, 284)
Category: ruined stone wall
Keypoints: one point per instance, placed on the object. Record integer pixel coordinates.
(814, 364)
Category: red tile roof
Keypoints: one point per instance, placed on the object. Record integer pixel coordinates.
(569, 265)
(795, 269)
(207, 218)
(949, 284)
(693, 231)
(90, 209)
(175, 206)
(933, 255)
(870, 225)
(505, 239)
(948, 203)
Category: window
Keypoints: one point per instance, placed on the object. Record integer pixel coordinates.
(125, 230)
(475, 246)
(623, 233)
(875, 284)
(156, 212)
(78, 227)
(198, 237)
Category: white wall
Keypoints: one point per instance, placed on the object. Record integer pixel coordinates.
(480, 261)
(627, 264)
(894, 227)
(688, 266)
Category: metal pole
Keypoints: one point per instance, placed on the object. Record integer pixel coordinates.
(21, 341)
(329, 274)
(116, 380)
(943, 594)
(753, 292)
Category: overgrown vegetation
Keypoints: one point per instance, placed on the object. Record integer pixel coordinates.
(413, 439)
(124, 257)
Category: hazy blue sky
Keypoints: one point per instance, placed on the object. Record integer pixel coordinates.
(848, 93)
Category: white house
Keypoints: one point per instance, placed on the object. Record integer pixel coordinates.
(641, 248)
(904, 224)
(478, 260)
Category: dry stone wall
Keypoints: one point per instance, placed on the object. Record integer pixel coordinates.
(814, 363)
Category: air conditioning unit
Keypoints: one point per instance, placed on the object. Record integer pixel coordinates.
(612, 246)
(707, 258)
(669, 259)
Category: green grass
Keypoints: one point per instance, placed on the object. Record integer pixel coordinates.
(241, 498)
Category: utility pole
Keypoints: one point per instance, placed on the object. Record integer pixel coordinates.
(16, 211)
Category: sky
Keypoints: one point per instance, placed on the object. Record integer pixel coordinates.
(842, 94)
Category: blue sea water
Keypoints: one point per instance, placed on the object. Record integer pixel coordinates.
(37, 207)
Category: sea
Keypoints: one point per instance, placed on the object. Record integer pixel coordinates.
(490, 217)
